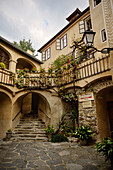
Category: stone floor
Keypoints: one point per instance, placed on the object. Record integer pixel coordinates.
(49, 156)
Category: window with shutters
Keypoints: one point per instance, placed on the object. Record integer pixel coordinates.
(85, 25)
(96, 2)
(61, 43)
(46, 54)
(103, 34)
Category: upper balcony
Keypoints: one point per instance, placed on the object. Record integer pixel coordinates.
(75, 73)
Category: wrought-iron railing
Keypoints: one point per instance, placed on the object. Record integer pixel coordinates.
(58, 77)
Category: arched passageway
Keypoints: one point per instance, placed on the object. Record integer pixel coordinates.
(4, 58)
(34, 103)
(5, 114)
(104, 107)
(22, 63)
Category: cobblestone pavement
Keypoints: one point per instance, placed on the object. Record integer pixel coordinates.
(49, 156)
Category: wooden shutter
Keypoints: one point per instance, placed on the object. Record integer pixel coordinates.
(58, 44)
(81, 26)
(65, 40)
(43, 56)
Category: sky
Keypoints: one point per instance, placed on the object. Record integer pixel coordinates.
(37, 20)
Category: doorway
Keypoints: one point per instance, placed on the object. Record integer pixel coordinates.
(110, 113)
(35, 103)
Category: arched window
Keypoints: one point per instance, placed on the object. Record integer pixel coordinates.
(4, 58)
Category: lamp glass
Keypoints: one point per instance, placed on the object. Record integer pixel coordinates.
(88, 38)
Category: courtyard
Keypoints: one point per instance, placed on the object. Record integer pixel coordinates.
(32, 155)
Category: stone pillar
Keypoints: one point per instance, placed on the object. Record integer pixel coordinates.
(12, 65)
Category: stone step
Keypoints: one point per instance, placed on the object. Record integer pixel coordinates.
(31, 119)
(44, 139)
(27, 132)
(29, 135)
(30, 127)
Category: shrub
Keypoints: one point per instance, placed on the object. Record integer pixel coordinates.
(50, 129)
(107, 148)
(59, 138)
(83, 132)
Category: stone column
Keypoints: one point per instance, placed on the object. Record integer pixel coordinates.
(12, 65)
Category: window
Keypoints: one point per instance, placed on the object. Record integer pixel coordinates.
(46, 54)
(61, 43)
(103, 34)
(96, 2)
(85, 25)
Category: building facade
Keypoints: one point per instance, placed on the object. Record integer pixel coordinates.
(95, 73)
(93, 82)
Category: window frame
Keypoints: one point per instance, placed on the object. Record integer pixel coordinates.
(94, 3)
(84, 26)
(46, 54)
(61, 42)
(103, 35)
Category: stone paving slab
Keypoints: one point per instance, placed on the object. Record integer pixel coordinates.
(49, 156)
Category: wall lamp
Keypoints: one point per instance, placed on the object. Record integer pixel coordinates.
(88, 39)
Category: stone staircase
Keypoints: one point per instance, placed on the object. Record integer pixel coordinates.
(30, 128)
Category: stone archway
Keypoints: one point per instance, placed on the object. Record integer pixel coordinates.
(31, 102)
(37, 104)
(5, 114)
(104, 108)
(4, 57)
(23, 63)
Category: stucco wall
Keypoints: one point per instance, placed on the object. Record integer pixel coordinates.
(5, 114)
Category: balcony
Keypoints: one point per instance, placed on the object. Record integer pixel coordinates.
(63, 76)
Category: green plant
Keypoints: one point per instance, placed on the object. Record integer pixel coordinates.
(59, 138)
(12, 75)
(66, 129)
(34, 69)
(50, 129)
(2, 65)
(42, 70)
(83, 132)
(26, 70)
(106, 147)
(50, 70)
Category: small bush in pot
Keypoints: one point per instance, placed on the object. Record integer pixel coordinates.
(83, 133)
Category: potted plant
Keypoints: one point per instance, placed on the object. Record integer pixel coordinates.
(2, 66)
(50, 70)
(50, 131)
(34, 70)
(83, 133)
(8, 134)
(106, 147)
(26, 70)
(42, 70)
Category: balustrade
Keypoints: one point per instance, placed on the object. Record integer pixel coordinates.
(57, 78)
